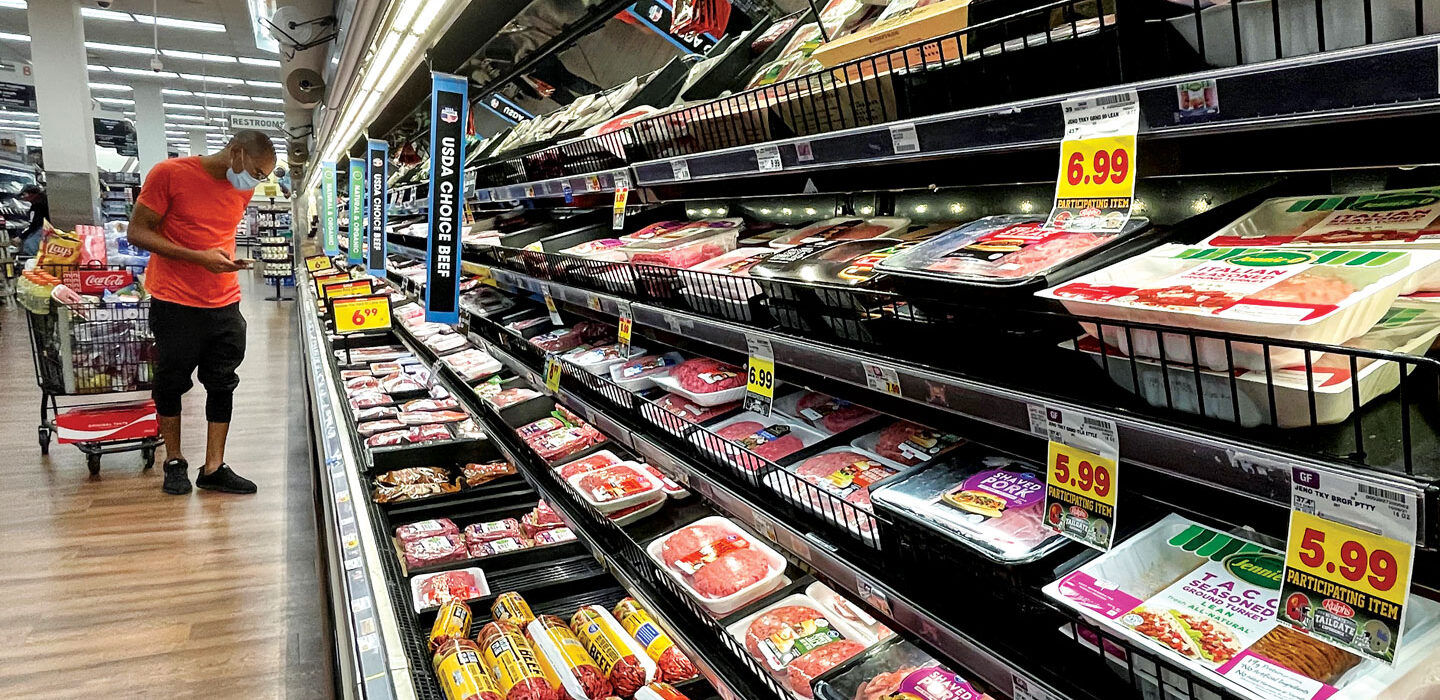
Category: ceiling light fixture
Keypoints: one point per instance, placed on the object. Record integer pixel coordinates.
(264, 84)
(178, 23)
(263, 62)
(217, 79)
(185, 117)
(111, 86)
(194, 56)
(14, 4)
(172, 91)
(11, 36)
(119, 48)
(94, 67)
(114, 100)
(268, 100)
(149, 73)
(97, 13)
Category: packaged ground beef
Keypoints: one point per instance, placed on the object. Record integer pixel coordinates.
(620, 657)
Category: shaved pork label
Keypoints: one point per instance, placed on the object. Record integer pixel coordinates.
(936, 683)
(988, 494)
(696, 560)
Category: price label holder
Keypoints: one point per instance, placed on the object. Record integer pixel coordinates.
(324, 279)
(881, 378)
(873, 594)
(593, 302)
(529, 191)
(1081, 474)
(568, 193)
(348, 288)
(622, 197)
(317, 264)
(680, 169)
(804, 153)
(1348, 561)
(760, 372)
(904, 139)
(1026, 689)
(1096, 185)
(592, 183)
(361, 314)
(626, 325)
(552, 373)
(767, 159)
(550, 306)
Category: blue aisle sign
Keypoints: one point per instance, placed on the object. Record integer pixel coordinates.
(449, 104)
(329, 215)
(378, 157)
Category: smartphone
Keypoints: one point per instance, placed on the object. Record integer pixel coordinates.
(245, 263)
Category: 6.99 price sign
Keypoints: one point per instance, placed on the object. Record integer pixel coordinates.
(760, 376)
(358, 314)
(1096, 186)
(1348, 585)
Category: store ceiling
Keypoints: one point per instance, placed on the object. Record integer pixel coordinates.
(232, 74)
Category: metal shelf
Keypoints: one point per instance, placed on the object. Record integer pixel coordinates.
(1257, 471)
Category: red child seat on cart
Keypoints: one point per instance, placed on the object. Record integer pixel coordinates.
(112, 422)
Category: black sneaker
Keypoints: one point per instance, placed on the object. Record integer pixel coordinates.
(223, 479)
(177, 478)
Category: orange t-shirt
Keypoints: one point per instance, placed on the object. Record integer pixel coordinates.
(197, 212)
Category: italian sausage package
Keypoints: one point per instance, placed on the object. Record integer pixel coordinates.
(622, 659)
(512, 663)
(670, 662)
(565, 661)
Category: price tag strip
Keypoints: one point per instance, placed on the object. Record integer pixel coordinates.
(1096, 186)
(881, 378)
(1348, 561)
(552, 373)
(1081, 475)
(760, 372)
(626, 325)
(360, 314)
(767, 159)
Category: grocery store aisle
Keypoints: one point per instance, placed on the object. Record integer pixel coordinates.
(114, 589)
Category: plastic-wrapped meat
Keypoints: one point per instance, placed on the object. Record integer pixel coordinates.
(410, 492)
(731, 573)
(585, 464)
(910, 444)
(426, 433)
(1028, 258)
(671, 664)
(653, 230)
(703, 375)
(771, 442)
(830, 413)
(883, 685)
(558, 340)
(798, 627)
(553, 536)
(541, 517)
(692, 413)
(684, 255)
(848, 475)
(375, 413)
(426, 528)
(369, 400)
(468, 429)
(511, 661)
(500, 546)
(508, 397)
(558, 444)
(477, 474)
(613, 483)
(394, 437)
(381, 369)
(428, 417)
(540, 427)
(363, 384)
(413, 475)
(494, 530)
(1305, 288)
(433, 551)
(438, 589)
(565, 659)
(430, 405)
(379, 426)
(347, 374)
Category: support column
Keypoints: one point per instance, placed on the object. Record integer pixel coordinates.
(62, 91)
(198, 146)
(149, 125)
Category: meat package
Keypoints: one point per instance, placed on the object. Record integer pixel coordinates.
(591, 462)
(795, 641)
(410, 436)
(675, 413)
(606, 249)
(1191, 594)
(1328, 382)
(460, 672)
(749, 435)
(906, 443)
(430, 591)
(475, 474)
(670, 232)
(511, 396)
(725, 282)
(434, 551)
(720, 565)
(670, 663)
(562, 339)
(828, 270)
(684, 251)
(1317, 295)
(472, 364)
(896, 668)
(540, 518)
(823, 411)
(842, 474)
(563, 657)
(705, 381)
(425, 528)
(986, 500)
(623, 660)
(638, 373)
(477, 533)
(430, 405)
(511, 661)
(616, 486)
(558, 436)
(843, 229)
(598, 360)
(1009, 251)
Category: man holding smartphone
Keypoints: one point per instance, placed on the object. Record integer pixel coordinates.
(186, 217)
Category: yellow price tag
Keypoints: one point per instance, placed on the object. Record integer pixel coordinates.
(357, 314)
(622, 196)
(761, 377)
(319, 263)
(1096, 186)
(353, 288)
(552, 373)
(624, 333)
(550, 306)
(1098, 167)
(1080, 488)
(322, 280)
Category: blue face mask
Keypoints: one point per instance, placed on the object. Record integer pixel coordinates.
(242, 180)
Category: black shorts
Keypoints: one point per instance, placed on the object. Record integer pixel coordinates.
(189, 338)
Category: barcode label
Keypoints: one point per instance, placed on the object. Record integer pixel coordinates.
(1383, 494)
(1117, 98)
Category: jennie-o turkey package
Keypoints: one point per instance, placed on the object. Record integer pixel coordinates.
(1207, 600)
(1316, 295)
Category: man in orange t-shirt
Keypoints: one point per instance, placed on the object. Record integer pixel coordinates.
(186, 217)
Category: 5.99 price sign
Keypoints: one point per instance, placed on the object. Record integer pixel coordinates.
(364, 313)
(1080, 495)
(1346, 585)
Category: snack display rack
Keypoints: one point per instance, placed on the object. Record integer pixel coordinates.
(970, 124)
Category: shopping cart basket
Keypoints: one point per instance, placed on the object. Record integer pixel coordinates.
(86, 350)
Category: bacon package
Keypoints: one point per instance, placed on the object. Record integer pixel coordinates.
(1317, 295)
(430, 405)
(475, 474)
(987, 500)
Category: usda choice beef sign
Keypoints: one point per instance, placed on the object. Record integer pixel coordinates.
(448, 118)
(378, 158)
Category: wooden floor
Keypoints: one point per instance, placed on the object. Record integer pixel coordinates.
(113, 589)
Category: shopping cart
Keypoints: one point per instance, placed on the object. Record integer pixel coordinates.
(85, 350)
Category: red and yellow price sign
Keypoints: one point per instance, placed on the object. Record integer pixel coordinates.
(626, 324)
(358, 314)
(552, 373)
(1098, 167)
(622, 197)
(1080, 488)
(351, 288)
(319, 263)
(1096, 186)
(322, 280)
